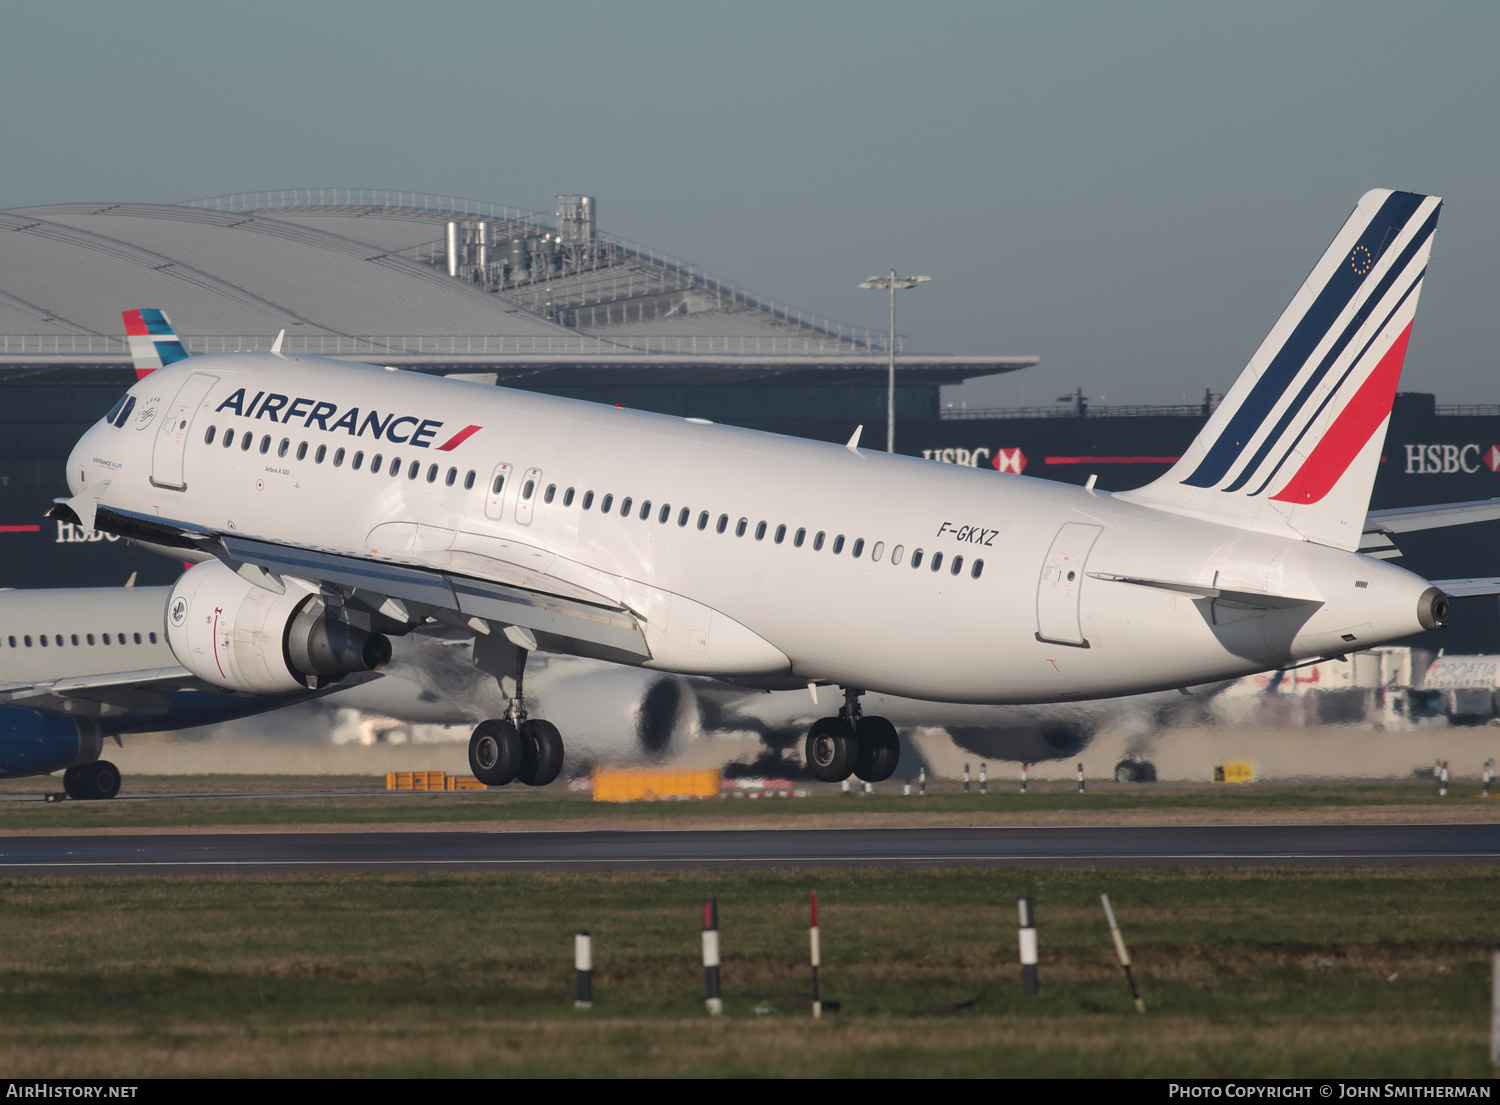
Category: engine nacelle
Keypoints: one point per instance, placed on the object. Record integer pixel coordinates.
(233, 634)
(33, 742)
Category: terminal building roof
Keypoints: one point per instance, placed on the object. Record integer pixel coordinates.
(417, 281)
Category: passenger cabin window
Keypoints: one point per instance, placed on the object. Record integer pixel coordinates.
(682, 517)
(723, 523)
(937, 561)
(780, 534)
(74, 638)
(283, 447)
(588, 499)
(246, 440)
(760, 531)
(228, 438)
(550, 493)
(208, 437)
(958, 565)
(838, 544)
(740, 527)
(818, 542)
(896, 554)
(320, 454)
(703, 520)
(528, 488)
(978, 568)
(358, 461)
(432, 471)
(376, 463)
(265, 444)
(498, 485)
(605, 503)
(645, 511)
(413, 470)
(801, 537)
(452, 477)
(877, 550)
(916, 558)
(666, 513)
(88, 637)
(469, 480)
(568, 497)
(625, 507)
(302, 450)
(338, 458)
(859, 547)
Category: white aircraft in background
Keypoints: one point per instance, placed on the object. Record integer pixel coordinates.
(333, 503)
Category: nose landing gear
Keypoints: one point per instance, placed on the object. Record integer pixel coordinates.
(852, 744)
(502, 750)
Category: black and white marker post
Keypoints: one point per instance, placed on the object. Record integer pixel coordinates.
(984, 786)
(817, 957)
(1443, 780)
(1028, 944)
(966, 778)
(711, 998)
(922, 781)
(583, 971)
(1123, 952)
(1489, 776)
(1080, 778)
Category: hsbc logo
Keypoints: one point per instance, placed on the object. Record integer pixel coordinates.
(1001, 460)
(1447, 460)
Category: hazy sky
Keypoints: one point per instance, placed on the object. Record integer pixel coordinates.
(1130, 191)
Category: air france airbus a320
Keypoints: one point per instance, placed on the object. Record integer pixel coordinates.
(332, 503)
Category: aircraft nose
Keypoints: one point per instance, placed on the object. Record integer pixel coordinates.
(79, 462)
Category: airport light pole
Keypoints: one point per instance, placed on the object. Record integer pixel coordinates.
(893, 284)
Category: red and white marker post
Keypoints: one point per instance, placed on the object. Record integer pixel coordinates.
(711, 997)
(1024, 767)
(817, 956)
(1029, 983)
(1080, 778)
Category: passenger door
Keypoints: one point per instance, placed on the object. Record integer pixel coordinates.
(1058, 589)
(172, 435)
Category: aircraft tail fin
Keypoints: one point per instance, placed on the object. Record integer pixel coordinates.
(153, 342)
(1294, 446)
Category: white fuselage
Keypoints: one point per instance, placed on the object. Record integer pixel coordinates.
(740, 602)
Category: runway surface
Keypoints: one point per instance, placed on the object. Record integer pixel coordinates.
(729, 848)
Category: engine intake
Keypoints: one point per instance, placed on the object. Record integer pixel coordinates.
(1432, 609)
(230, 633)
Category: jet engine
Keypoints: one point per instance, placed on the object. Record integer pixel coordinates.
(33, 742)
(233, 634)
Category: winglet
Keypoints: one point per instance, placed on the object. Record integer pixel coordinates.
(853, 442)
(276, 345)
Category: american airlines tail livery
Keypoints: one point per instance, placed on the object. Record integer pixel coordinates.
(332, 504)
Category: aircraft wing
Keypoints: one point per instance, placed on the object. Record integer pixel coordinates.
(140, 692)
(536, 602)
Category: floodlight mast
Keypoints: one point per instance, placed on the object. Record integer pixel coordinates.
(892, 283)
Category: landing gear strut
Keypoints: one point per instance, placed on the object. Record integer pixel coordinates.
(502, 750)
(852, 743)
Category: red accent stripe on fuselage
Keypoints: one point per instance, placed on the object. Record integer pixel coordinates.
(459, 438)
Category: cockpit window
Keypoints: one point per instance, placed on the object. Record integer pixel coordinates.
(121, 411)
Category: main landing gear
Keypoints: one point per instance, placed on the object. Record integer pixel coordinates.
(852, 744)
(502, 750)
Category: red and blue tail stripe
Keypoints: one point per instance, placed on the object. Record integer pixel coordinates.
(153, 342)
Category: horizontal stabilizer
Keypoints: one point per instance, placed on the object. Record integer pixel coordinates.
(1466, 588)
(1409, 518)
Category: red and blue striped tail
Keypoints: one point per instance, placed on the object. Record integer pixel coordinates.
(1296, 442)
(153, 342)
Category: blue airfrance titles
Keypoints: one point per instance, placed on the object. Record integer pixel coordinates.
(405, 430)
